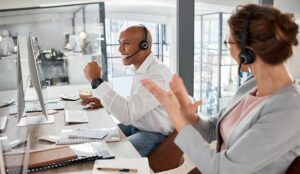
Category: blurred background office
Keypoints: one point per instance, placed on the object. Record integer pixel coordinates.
(71, 33)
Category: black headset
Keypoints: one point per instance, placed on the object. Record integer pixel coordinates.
(246, 56)
(143, 45)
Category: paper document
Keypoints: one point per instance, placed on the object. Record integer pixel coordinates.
(88, 133)
(92, 149)
(131, 165)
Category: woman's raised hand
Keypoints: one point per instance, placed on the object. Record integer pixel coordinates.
(180, 108)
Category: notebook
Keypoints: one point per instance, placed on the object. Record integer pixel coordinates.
(40, 158)
(78, 160)
(127, 165)
(46, 159)
(65, 138)
(88, 133)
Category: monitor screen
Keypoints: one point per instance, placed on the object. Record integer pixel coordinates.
(6, 46)
(75, 43)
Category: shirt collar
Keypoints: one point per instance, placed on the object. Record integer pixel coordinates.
(145, 65)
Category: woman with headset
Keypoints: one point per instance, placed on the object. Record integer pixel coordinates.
(258, 131)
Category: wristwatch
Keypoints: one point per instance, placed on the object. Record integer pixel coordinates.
(95, 83)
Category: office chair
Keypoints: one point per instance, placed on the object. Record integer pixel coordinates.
(166, 156)
(294, 168)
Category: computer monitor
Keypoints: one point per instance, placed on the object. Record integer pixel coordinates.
(75, 43)
(22, 73)
(21, 88)
(6, 46)
(36, 75)
(28, 66)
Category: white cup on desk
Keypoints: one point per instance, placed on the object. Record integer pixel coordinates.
(85, 93)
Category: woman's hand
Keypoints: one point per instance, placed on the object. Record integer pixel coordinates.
(188, 107)
(179, 107)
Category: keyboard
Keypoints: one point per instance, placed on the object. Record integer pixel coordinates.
(36, 107)
(76, 116)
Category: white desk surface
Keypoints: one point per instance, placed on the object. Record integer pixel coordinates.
(97, 119)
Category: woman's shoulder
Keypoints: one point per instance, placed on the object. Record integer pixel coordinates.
(286, 99)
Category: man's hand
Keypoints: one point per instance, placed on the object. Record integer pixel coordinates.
(92, 71)
(93, 102)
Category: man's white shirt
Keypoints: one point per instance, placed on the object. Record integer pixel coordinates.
(141, 109)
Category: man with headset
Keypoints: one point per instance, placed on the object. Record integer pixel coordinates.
(144, 120)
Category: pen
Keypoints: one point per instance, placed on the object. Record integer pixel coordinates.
(117, 169)
(104, 136)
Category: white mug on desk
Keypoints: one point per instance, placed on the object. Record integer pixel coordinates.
(85, 93)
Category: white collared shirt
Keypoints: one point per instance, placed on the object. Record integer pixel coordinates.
(140, 109)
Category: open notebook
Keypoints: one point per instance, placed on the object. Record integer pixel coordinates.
(68, 136)
(50, 158)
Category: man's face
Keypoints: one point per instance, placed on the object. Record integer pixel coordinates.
(129, 44)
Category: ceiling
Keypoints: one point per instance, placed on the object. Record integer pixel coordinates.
(68, 10)
(155, 7)
(143, 7)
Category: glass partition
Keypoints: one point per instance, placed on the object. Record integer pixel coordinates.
(68, 37)
(216, 78)
(65, 39)
(117, 72)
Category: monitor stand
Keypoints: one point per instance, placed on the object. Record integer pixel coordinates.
(34, 120)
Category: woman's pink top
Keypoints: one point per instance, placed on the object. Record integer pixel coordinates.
(237, 115)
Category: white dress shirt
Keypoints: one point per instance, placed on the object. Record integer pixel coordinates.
(140, 109)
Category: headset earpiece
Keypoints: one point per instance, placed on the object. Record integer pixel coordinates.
(246, 56)
(143, 45)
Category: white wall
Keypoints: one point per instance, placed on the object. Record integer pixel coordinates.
(292, 6)
(294, 61)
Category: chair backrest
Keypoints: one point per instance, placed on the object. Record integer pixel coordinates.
(294, 168)
(194, 171)
(166, 156)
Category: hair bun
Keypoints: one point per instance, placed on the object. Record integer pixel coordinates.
(285, 28)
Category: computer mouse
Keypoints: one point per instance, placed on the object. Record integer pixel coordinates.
(86, 107)
(49, 138)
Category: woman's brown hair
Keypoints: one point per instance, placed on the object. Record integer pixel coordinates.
(271, 33)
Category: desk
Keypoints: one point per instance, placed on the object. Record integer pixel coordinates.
(97, 119)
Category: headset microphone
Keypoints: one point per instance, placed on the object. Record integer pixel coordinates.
(131, 55)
